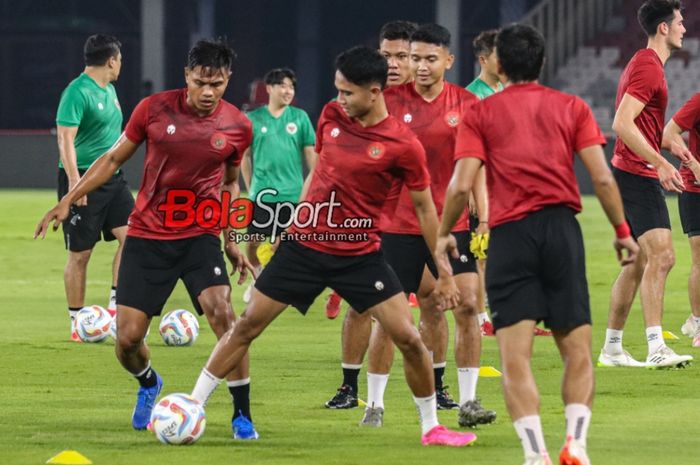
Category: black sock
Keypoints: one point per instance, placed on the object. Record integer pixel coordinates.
(350, 377)
(241, 400)
(439, 373)
(148, 378)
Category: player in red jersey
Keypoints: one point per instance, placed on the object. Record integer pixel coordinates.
(688, 119)
(363, 152)
(642, 174)
(195, 141)
(394, 45)
(526, 136)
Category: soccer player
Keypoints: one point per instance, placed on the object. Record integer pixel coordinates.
(88, 123)
(394, 45)
(282, 135)
(195, 141)
(432, 108)
(642, 173)
(688, 119)
(363, 154)
(526, 136)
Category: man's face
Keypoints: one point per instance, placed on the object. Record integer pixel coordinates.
(397, 53)
(429, 62)
(489, 63)
(676, 30)
(115, 66)
(281, 94)
(355, 100)
(205, 87)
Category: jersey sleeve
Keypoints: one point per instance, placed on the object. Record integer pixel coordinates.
(308, 137)
(241, 144)
(319, 130)
(687, 117)
(70, 108)
(470, 143)
(136, 128)
(646, 79)
(588, 132)
(414, 165)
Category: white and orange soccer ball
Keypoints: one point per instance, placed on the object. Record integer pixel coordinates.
(178, 419)
(92, 323)
(179, 328)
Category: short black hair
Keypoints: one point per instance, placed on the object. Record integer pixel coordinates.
(654, 12)
(431, 33)
(277, 76)
(397, 30)
(485, 42)
(520, 51)
(363, 65)
(99, 48)
(211, 53)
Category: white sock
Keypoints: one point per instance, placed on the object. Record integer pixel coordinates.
(578, 417)
(205, 387)
(467, 379)
(483, 316)
(696, 319)
(427, 411)
(236, 383)
(613, 341)
(655, 338)
(73, 314)
(376, 385)
(529, 431)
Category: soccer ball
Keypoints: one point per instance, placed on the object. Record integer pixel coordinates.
(178, 419)
(92, 323)
(179, 328)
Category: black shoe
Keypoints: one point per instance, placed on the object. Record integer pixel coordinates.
(344, 398)
(472, 414)
(444, 401)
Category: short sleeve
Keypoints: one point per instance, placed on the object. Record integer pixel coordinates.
(687, 117)
(588, 132)
(645, 80)
(414, 165)
(307, 133)
(319, 130)
(136, 128)
(241, 144)
(470, 143)
(70, 108)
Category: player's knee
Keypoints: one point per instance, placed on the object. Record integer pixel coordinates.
(129, 339)
(80, 259)
(247, 330)
(467, 305)
(409, 343)
(220, 315)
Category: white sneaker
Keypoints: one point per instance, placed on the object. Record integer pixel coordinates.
(696, 340)
(665, 357)
(573, 453)
(539, 459)
(623, 359)
(248, 291)
(690, 327)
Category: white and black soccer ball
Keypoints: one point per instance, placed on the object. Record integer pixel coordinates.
(179, 328)
(178, 419)
(92, 323)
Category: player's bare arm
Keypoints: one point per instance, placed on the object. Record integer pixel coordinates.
(445, 292)
(65, 137)
(627, 130)
(608, 195)
(238, 260)
(311, 157)
(673, 141)
(99, 173)
(247, 168)
(481, 201)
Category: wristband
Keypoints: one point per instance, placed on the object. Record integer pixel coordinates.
(622, 231)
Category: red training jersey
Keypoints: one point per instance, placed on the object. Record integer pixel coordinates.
(183, 151)
(435, 124)
(643, 78)
(359, 166)
(527, 135)
(688, 119)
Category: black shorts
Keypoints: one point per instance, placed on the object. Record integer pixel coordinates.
(296, 275)
(537, 271)
(108, 207)
(150, 269)
(644, 202)
(408, 255)
(689, 209)
(264, 218)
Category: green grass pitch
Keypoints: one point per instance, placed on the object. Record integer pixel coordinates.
(58, 395)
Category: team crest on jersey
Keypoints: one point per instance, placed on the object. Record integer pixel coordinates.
(407, 118)
(452, 118)
(335, 132)
(170, 129)
(376, 150)
(218, 141)
(291, 129)
(116, 103)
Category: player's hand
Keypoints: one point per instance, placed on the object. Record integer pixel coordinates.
(445, 293)
(82, 201)
(693, 165)
(239, 262)
(629, 245)
(57, 214)
(680, 152)
(445, 245)
(483, 228)
(670, 178)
